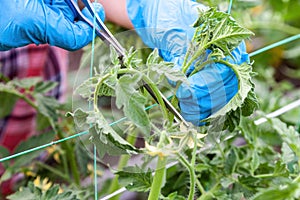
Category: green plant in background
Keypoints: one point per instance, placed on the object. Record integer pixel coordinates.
(63, 163)
(26, 89)
(33, 192)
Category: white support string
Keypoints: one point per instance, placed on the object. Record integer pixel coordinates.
(117, 192)
(278, 112)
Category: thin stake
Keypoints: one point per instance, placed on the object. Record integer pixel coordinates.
(276, 44)
(278, 112)
(95, 173)
(42, 146)
(90, 107)
(230, 6)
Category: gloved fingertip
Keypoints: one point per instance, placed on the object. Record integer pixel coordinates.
(239, 54)
(195, 119)
(183, 92)
(99, 10)
(83, 35)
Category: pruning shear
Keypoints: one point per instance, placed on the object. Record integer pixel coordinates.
(106, 36)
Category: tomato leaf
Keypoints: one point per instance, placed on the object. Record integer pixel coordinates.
(289, 135)
(105, 138)
(44, 87)
(33, 192)
(153, 58)
(132, 102)
(7, 103)
(135, 179)
(288, 191)
(47, 106)
(85, 89)
(217, 30)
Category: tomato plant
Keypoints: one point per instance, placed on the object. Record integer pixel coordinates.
(169, 140)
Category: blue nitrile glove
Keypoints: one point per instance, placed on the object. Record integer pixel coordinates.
(167, 25)
(43, 21)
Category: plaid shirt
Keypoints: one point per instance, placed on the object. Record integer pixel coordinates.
(47, 62)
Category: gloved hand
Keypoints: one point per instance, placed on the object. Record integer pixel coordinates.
(43, 21)
(167, 25)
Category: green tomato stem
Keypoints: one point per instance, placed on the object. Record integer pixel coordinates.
(159, 175)
(189, 51)
(194, 153)
(197, 69)
(200, 187)
(65, 162)
(193, 58)
(54, 171)
(158, 96)
(22, 96)
(96, 91)
(174, 101)
(158, 179)
(192, 176)
(209, 195)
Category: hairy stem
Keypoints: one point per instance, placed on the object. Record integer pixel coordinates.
(160, 171)
(190, 48)
(193, 58)
(158, 178)
(54, 171)
(209, 195)
(158, 96)
(65, 162)
(192, 176)
(201, 66)
(23, 97)
(200, 187)
(97, 89)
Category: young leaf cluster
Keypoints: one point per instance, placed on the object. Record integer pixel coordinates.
(124, 82)
(217, 35)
